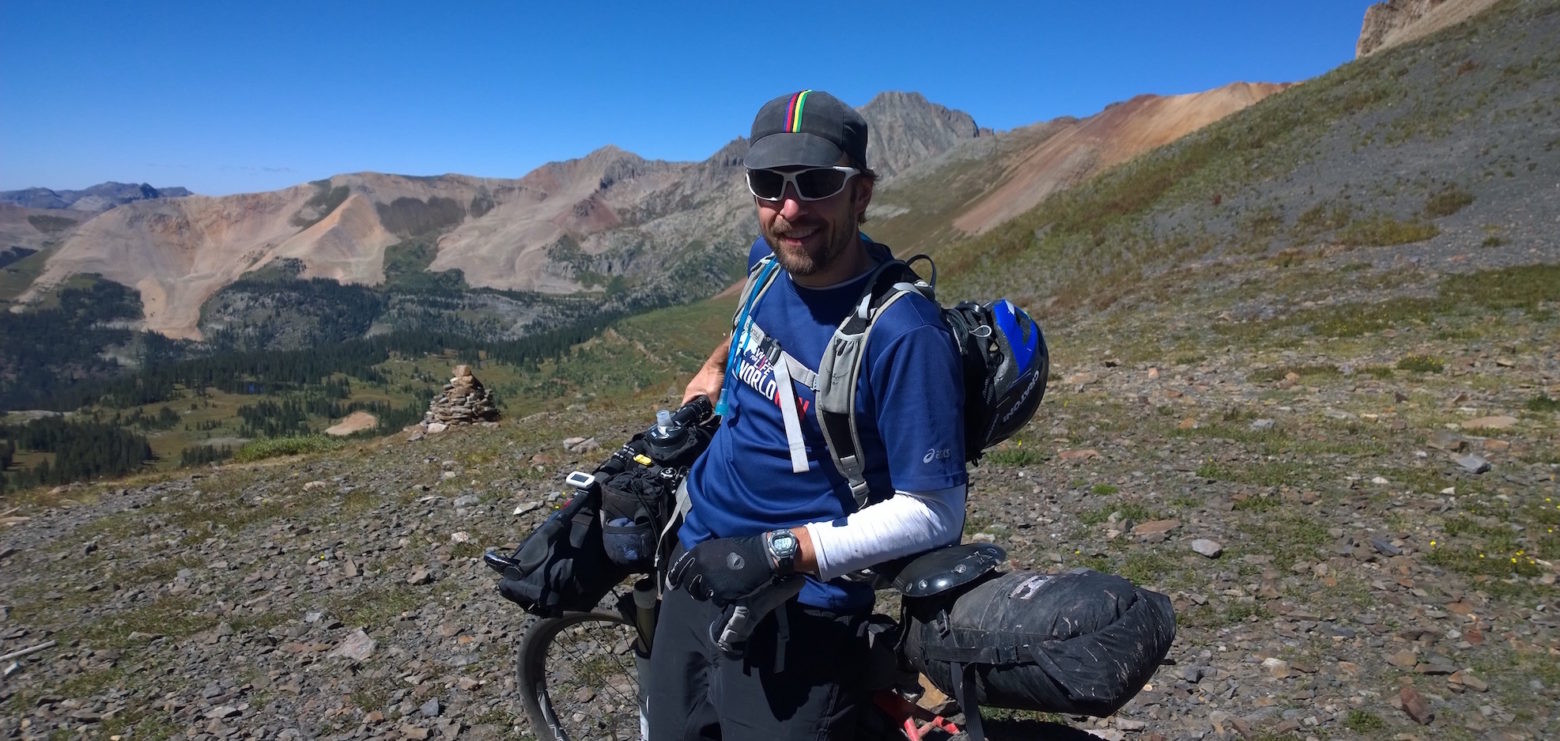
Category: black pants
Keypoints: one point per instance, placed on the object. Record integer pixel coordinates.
(800, 678)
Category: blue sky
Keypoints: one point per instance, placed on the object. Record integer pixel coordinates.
(229, 97)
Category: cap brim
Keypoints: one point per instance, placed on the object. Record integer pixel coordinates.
(789, 150)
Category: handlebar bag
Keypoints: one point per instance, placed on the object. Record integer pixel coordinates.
(639, 491)
(1080, 642)
(635, 506)
(562, 565)
(610, 528)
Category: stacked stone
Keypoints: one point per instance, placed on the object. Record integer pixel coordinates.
(464, 401)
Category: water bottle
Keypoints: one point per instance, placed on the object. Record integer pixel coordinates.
(671, 437)
(666, 437)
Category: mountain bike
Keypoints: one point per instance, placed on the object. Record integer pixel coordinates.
(579, 671)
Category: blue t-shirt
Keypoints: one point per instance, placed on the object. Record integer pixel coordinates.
(909, 412)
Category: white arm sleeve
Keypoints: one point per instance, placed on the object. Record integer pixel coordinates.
(908, 522)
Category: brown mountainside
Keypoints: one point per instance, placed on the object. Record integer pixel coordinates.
(34, 228)
(609, 213)
(1073, 151)
(593, 202)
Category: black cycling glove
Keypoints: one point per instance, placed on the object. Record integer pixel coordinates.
(725, 570)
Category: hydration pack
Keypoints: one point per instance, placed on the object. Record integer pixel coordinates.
(1001, 349)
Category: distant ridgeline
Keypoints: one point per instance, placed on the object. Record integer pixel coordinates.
(99, 197)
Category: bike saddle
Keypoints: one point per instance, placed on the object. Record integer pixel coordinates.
(946, 568)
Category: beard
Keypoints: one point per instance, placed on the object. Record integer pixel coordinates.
(823, 246)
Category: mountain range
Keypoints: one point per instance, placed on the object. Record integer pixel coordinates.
(636, 232)
(609, 214)
(100, 197)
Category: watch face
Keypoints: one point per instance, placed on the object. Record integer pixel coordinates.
(782, 543)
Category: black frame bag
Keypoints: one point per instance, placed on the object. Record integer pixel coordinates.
(561, 566)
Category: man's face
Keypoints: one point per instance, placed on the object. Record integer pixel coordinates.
(815, 240)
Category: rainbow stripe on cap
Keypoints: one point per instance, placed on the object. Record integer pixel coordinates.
(793, 111)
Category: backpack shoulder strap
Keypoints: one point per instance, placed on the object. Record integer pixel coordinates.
(840, 369)
(760, 277)
(745, 333)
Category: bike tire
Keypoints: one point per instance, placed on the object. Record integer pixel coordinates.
(578, 678)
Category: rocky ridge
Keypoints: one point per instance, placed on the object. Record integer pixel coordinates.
(1062, 154)
(1388, 24)
(907, 130)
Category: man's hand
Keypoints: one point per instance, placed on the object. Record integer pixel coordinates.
(711, 376)
(725, 570)
(707, 382)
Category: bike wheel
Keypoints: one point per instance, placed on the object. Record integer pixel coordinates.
(578, 677)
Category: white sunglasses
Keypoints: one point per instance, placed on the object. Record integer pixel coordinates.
(812, 184)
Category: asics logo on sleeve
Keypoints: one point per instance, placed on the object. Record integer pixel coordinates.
(936, 455)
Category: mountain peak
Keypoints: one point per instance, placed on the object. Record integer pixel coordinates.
(905, 128)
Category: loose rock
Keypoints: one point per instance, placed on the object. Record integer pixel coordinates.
(1473, 464)
(358, 647)
(1206, 547)
(1415, 706)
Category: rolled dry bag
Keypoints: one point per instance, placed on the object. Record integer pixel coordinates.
(562, 565)
(1081, 642)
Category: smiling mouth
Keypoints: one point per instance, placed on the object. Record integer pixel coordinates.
(798, 235)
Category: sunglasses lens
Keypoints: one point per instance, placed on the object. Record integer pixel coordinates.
(811, 185)
(766, 184)
(821, 183)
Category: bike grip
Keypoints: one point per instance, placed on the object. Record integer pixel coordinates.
(497, 561)
(693, 412)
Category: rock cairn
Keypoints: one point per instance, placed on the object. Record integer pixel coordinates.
(464, 401)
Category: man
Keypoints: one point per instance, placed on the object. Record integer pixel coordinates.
(767, 501)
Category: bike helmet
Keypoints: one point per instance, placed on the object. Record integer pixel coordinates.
(1016, 362)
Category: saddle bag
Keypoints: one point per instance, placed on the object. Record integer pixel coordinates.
(1079, 642)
